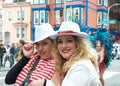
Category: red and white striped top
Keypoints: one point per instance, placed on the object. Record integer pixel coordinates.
(44, 70)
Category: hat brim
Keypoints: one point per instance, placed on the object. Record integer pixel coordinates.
(39, 39)
(43, 39)
(83, 35)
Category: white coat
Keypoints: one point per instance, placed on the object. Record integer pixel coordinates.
(82, 73)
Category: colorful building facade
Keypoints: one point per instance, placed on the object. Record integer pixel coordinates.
(16, 22)
(21, 18)
(87, 13)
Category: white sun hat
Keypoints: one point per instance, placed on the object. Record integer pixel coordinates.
(70, 28)
(43, 31)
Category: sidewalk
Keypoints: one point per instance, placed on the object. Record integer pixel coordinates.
(112, 74)
(6, 68)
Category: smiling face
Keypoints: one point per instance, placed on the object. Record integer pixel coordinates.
(66, 46)
(44, 48)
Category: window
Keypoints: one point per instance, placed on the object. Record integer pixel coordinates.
(106, 3)
(57, 16)
(58, 1)
(17, 32)
(47, 1)
(36, 17)
(68, 0)
(7, 37)
(99, 2)
(42, 1)
(18, 0)
(19, 15)
(76, 14)
(36, 1)
(81, 16)
(22, 33)
(0, 30)
(22, 15)
(69, 14)
(99, 18)
(0, 14)
(42, 16)
(105, 18)
(47, 16)
(9, 16)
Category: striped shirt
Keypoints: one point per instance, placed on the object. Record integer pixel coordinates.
(44, 70)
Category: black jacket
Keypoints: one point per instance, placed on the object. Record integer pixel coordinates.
(12, 74)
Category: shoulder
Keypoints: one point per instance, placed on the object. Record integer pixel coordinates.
(83, 65)
(85, 62)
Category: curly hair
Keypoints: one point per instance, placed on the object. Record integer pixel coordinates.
(83, 51)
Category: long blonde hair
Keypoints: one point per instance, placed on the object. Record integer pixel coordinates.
(83, 51)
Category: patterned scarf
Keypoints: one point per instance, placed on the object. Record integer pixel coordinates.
(44, 70)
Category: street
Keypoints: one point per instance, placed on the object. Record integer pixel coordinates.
(111, 75)
(3, 72)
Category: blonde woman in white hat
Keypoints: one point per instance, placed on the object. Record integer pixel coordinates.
(76, 63)
(45, 67)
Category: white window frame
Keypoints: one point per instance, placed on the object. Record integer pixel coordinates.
(99, 2)
(58, 17)
(17, 32)
(42, 1)
(0, 14)
(36, 1)
(58, 1)
(9, 16)
(82, 13)
(23, 33)
(47, 16)
(69, 0)
(20, 33)
(36, 17)
(69, 14)
(42, 16)
(106, 3)
(76, 14)
(0, 30)
(105, 18)
(99, 16)
(19, 15)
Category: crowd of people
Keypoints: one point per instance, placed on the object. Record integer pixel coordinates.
(10, 53)
(57, 58)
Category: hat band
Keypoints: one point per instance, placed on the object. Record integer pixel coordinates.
(69, 31)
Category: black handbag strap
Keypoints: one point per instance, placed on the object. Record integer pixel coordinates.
(33, 67)
(27, 81)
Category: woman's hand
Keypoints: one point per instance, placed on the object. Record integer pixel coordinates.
(57, 79)
(28, 49)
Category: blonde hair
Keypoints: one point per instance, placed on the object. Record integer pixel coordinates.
(83, 51)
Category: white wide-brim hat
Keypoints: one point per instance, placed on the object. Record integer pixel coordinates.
(43, 31)
(70, 28)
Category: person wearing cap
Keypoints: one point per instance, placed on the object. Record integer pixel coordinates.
(38, 52)
(76, 60)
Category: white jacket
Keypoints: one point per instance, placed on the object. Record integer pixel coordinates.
(82, 73)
